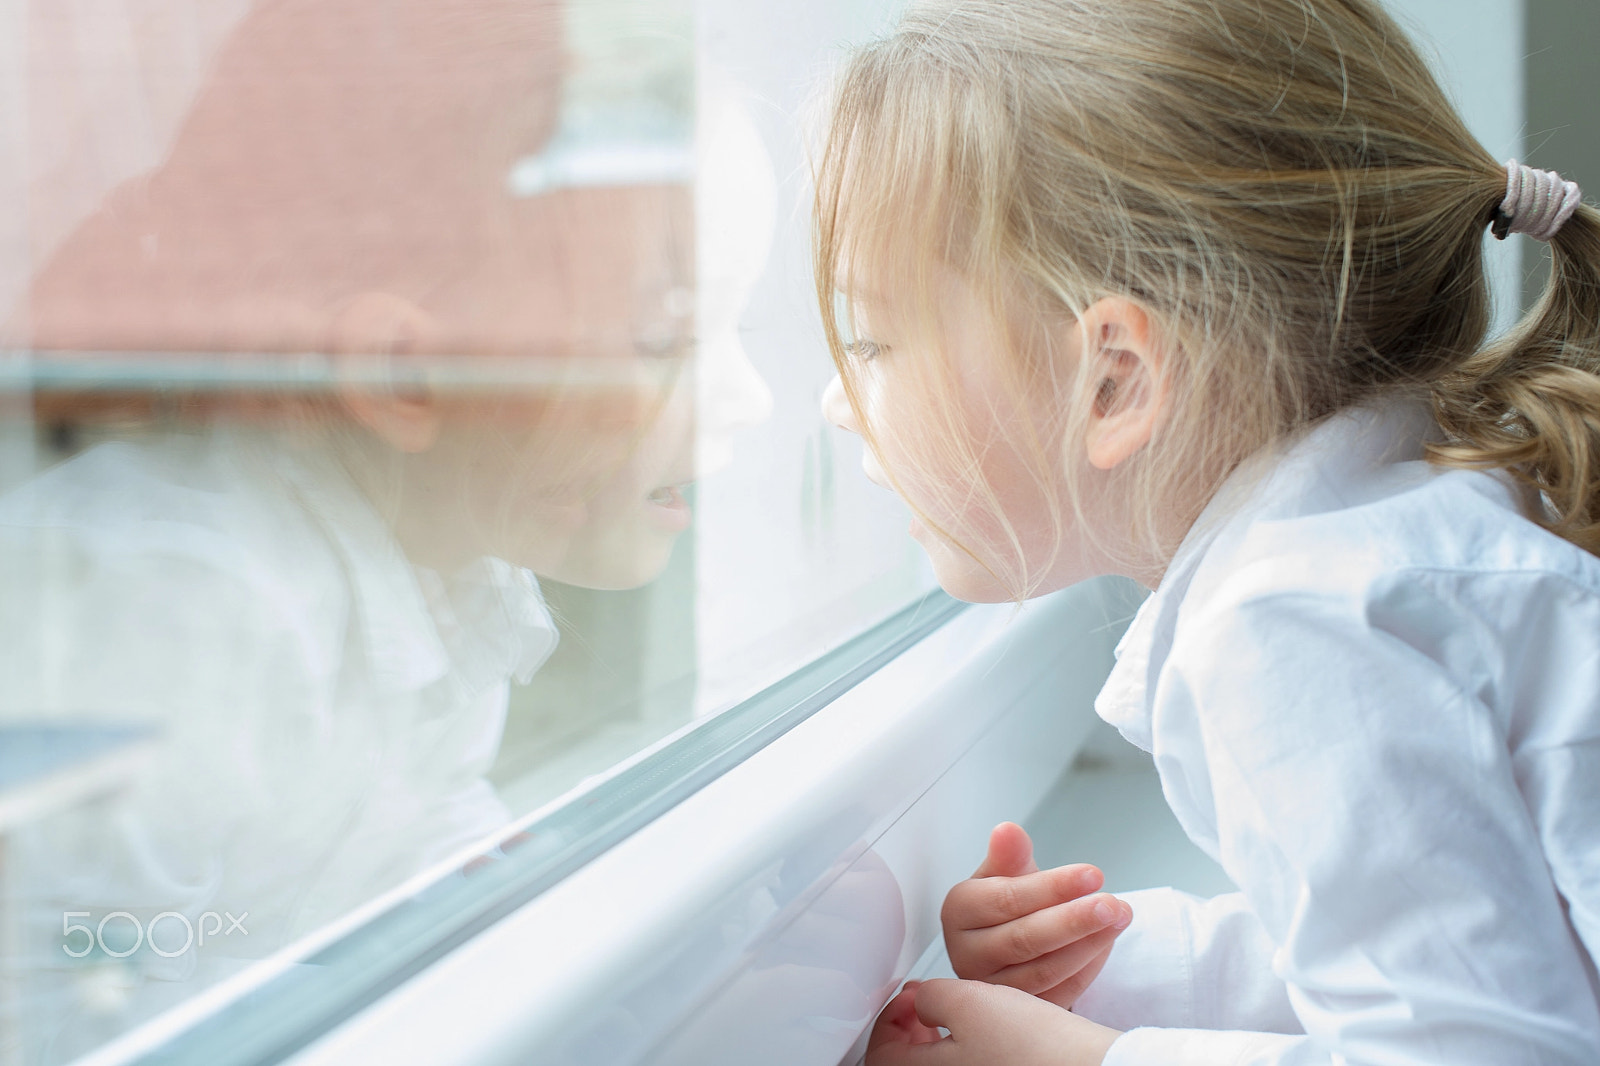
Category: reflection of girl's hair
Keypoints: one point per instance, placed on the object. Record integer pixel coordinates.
(583, 300)
(1281, 183)
(347, 149)
(338, 147)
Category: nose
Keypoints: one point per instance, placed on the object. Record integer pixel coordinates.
(730, 393)
(836, 406)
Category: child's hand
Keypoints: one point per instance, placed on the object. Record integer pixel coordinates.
(990, 1025)
(1013, 924)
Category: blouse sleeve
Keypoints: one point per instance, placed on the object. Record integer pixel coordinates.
(1188, 962)
(1366, 805)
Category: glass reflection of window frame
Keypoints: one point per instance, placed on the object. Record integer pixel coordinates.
(315, 373)
(295, 1004)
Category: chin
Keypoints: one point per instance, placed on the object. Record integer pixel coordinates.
(963, 578)
(615, 570)
(977, 591)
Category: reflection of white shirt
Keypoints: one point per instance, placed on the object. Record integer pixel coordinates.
(1373, 695)
(326, 712)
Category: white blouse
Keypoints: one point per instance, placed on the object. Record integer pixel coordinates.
(325, 712)
(1372, 691)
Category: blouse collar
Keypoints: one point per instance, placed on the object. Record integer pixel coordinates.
(1319, 470)
(486, 623)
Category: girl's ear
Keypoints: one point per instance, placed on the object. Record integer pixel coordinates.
(1129, 368)
(365, 333)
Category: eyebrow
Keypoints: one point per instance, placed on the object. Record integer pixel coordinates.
(860, 295)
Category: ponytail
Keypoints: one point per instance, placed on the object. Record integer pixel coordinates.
(1530, 402)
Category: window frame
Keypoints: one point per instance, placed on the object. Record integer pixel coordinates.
(970, 725)
(289, 1001)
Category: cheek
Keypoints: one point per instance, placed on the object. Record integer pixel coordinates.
(905, 451)
(1003, 505)
(959, 574)
(960, 458)
(1027, 492)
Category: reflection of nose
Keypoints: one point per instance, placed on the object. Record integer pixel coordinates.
(729, 396)
(836, 406)
(737, 396)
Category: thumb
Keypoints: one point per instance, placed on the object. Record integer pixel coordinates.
(1010, 853)
(952, 1005)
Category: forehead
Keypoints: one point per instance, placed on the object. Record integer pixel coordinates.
(937, 295)
(576, 269)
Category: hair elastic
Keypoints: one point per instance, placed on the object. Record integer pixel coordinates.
(1538, 202)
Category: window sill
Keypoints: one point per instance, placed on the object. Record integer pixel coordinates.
(778, 906)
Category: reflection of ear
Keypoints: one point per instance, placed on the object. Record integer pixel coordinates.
(364, 334)
(1130, 370)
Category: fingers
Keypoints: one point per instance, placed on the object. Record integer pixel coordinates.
(938, 1003)
(1010, 853)
(981, 954)
(988, 1025)
(978, 903)
(901, 1011)
(899, 1036)
(1064, 972)
(968, 1008)
(1067, 992)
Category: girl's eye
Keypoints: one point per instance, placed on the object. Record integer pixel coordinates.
(662, 341)
(865, 350)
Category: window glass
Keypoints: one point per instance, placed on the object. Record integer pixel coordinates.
(408, 423)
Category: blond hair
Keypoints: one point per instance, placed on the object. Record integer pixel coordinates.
(1280, 184)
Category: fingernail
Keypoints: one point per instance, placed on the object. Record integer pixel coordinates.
(1113, 913)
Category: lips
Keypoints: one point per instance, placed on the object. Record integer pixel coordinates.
(668, 508)
(670, 492)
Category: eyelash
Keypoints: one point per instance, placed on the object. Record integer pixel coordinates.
(866, 351)
(663, 343)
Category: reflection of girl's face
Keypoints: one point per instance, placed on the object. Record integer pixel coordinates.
(632, 521)
(339, 184)
(582, 480)
(583, 486)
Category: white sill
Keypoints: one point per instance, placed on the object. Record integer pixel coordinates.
(768, 916)
(1110, 812)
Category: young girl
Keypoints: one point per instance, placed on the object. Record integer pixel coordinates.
(1193, 291)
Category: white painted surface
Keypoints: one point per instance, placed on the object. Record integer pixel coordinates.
(767, 917)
